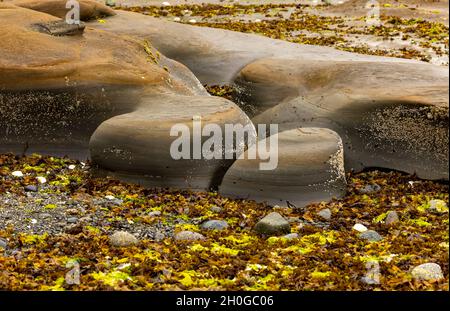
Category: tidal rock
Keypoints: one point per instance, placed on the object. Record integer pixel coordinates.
(325, 213)
(123, 239)
(118, 104)
(391, 119)
(427, 272)
(215, 55)
(391, 218)
(215, 225)
(307, 167)
(142, 146)
(371, 236)
(188, 236)
(273, 224)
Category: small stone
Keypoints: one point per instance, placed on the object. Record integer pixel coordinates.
(325, 213)
(34, 221)
(41, 180)
(290, 236)
(427, 272)
(72, 167)
(73, 229)
(372, 277)
(176, 19)
(111, 199)
(192, 21)
(215, 225)
(72, 211)
(159, 236)
(165, 3)
(154, 214)
(438, 207)
(368, 189)
(360, 227)
(216, 209)
(391, 218)
(72, 220)
(46, 215)
(273, 224)
(31, 188)
(3, 244)
(371, 236)
(17, 174)
(123, 239)
(188, 236)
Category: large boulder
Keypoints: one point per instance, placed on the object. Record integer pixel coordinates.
(310, 170)
(57, 91)
(389, 115)
(136, 146)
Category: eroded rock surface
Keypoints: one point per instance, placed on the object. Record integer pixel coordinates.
(310, 169)
(56, 91)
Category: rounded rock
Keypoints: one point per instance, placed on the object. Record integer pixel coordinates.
(427, 272)
(371, 236)
(325, 213)
(273, 224)
(188, 236)
(306, 167)
(123, 239)
(391, 218)
(215, 225)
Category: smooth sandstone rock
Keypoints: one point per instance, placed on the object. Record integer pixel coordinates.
(136, 146)
(107, 96)
(310, 169)
(390, 115)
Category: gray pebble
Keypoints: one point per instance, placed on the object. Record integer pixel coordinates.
(3, 244)
(215, 225)
(368, 189)
(216, 209)
(325, 213)
(31, 188)
(273, 224)
(154, 213)
(371, 236)
(72, 220)
(391, 218)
